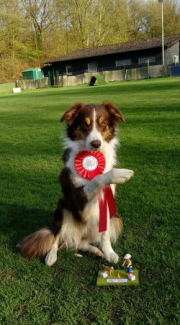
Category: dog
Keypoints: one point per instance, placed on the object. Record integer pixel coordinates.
(76, 218)
(109, 269)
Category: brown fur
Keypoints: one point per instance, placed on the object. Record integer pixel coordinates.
(71, 113)
(113, 110)
(78, 134)
(74, 198)
(117, 223)
(106, 134)
(37, 244)
(75, 116)
(107, 118)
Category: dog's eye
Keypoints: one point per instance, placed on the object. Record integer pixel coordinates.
(102, 121)
(84, 127)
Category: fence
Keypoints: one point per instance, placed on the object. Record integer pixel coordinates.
(136, 73)
(153, 71)
(33, 84)
(116, 75)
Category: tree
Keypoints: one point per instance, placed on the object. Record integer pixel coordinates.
(171, 18)
(33, 31)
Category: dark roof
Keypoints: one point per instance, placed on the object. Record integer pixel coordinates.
(155, 42)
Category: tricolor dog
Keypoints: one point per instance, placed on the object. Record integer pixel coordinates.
(91, 131)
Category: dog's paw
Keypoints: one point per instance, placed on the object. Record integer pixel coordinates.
(120, 176)
(98, 252)
(51, 257)
(95, 250)
(112, 258)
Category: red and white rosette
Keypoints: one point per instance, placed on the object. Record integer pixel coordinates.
(89, 164)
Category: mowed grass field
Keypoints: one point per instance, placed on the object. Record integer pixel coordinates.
(31, 139)
(6, 88)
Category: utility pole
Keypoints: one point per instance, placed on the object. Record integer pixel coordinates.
(148, 68)
(162, 19)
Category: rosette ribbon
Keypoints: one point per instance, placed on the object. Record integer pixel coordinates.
(89, 164)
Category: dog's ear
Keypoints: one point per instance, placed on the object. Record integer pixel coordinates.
(114, 111)
(71, 114)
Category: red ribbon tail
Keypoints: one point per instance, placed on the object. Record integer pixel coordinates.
(107, 200)
(110, 201)
(102, 214)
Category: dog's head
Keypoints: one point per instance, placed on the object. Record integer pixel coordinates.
(92, 125)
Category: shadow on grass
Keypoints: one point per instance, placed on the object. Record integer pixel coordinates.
(17, 222)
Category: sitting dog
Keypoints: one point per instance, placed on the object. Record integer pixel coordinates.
(76, 219)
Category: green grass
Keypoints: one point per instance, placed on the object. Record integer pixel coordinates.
(30, 162)
(6, 88)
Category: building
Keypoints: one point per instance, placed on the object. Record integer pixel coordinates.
(32, 74)
(118, 56)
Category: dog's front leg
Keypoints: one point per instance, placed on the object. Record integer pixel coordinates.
(106, 247)
(114, 176)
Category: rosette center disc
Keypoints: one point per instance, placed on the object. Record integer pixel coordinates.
(90, 163)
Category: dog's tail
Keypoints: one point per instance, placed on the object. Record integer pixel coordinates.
(37, 244)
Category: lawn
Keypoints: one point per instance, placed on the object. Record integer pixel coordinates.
(30, 162)
(6, 88)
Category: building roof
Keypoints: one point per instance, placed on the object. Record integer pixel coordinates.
(155, 42)
(32, 69)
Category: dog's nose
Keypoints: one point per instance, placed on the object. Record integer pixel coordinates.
(96, 144)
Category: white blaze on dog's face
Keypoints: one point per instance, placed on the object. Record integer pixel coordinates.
(94, 140)
(92, 125)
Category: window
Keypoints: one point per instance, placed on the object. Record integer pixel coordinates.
(122, 63)
(92, 67)
(151, 59)
(69, 70)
